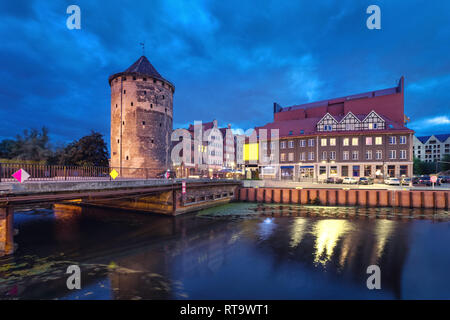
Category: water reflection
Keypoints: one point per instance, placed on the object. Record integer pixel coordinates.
(235, 251)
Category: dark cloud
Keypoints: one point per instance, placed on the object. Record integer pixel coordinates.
(229, 60)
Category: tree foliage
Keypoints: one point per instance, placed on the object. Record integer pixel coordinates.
(90, 150)
(34, 145)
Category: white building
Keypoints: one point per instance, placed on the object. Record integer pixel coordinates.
(431, 148)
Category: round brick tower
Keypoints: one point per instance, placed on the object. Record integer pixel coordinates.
(141, 120)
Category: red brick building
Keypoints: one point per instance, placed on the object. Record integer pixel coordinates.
(362, 135)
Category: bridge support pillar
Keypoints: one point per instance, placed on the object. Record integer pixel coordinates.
(6, 231)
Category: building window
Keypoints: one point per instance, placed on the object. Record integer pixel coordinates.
(403, 140)
(323, 142)
(328, 127)
(368, 141)
(124, 91)
(283, 144)
(392, 140)
(332, 141)
(333, 170)
(355, 141)
(355, 171)
(344, 171)
(324, 155)
(367, 170)
(332, 155)
(345, 142)
(302, 156)
(291, 144)
(118, 141)
(134, 78)
(131, 103)
(144, 79)
(283, 157)
(392, 154)
(378, 140)
(311, 142)
(355, 155)
(403, 170)
(403, 154)
(369, 155)
(124, 78)
(345, 155)
(143, 123)
(379, 155)
(291, 156)
(302, 143)
(311, 156)
(322, 170)
(126, 158)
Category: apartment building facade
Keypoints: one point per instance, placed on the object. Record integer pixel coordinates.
(355, 136)
(431, 148)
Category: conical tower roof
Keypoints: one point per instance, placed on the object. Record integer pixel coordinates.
(144, 67)
(141, 67)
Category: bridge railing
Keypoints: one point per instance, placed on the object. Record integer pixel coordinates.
(40, 172)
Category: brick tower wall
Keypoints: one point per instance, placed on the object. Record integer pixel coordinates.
(141, 124)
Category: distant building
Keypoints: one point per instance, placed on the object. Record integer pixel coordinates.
(361, 135)
(431, 148)
(217, 150)
(141, 120)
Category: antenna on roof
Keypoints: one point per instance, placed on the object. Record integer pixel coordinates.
(143, 47)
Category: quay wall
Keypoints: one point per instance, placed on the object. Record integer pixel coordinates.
(427, 199)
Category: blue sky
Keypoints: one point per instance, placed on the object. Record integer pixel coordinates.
(229, 60)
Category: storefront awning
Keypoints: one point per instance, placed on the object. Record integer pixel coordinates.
(307, 167)
(287, 167)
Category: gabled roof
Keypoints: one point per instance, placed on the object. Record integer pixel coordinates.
(440, 137)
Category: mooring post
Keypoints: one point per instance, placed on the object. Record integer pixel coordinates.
(6, 231)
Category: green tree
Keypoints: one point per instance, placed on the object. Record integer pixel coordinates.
(445, 164)
(90, 150)
(6, 148)
(32, 145)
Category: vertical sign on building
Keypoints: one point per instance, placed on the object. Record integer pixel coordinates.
(183, 187)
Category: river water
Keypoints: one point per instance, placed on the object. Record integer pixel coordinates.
(235, 251)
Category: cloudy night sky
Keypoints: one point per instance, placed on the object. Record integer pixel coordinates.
(229, 60)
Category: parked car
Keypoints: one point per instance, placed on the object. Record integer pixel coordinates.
(333, 180)
(349, 180)
(392, 181)
(405, 181)
(445, 179)
(364, 180)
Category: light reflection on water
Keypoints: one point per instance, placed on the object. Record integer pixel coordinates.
(236, 251)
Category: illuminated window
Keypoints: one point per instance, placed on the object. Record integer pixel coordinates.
(378, 140)
(368, 141)
(291, 156)
(355, 141)
(323, 142)
(332, 141)
(346, 142)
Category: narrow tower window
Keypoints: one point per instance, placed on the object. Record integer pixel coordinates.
(151, 105)
(124, 91)
(127, 157)
(143, 123)
(132, 103)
